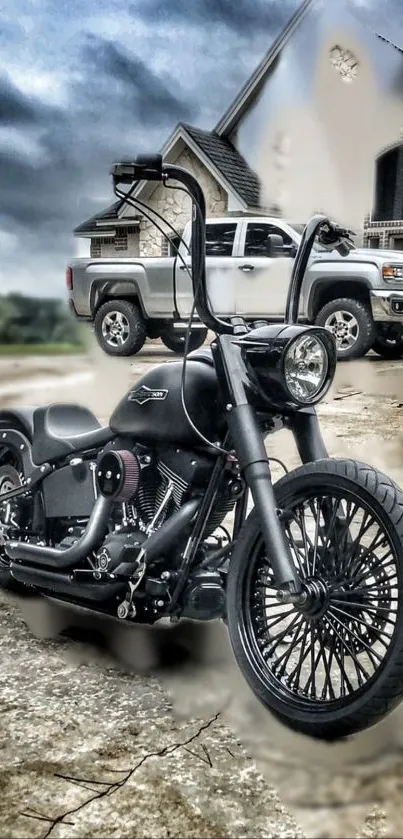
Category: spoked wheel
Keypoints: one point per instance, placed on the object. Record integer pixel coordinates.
(334, 665)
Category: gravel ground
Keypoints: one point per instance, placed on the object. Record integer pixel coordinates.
(155, 752)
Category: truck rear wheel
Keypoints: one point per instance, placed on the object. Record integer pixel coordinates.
(174, 339)
(389, 340)
(352, 325)
(120, 328)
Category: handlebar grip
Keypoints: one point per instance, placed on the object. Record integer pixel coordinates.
(145, 167)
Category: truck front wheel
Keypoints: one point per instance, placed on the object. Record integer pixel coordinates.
(120, 328)
(175, 339)
(352, 325)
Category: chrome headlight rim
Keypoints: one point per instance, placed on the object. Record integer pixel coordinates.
(327, 341)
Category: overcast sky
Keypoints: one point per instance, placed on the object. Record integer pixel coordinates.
(85, 83)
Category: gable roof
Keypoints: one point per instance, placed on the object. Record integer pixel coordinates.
(252, 87)
(110, 214)
(229, 162)
(391, 44)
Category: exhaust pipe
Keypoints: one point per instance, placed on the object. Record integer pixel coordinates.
(56, 558)
(63, 584)
(157, 543)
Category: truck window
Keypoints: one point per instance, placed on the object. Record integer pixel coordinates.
(256, 238)
(220, 239)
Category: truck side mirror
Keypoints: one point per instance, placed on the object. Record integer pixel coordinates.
(274, 245)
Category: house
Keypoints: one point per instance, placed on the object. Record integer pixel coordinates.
(227, 159)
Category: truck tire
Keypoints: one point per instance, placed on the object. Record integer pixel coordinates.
(120, 328)
(352, 325)
(174, 339)
(389, 341)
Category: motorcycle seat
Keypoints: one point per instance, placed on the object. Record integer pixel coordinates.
(61, 429)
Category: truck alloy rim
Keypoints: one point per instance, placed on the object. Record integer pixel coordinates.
(344, 327)
(115, 329)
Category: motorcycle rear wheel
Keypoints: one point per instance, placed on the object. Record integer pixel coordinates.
(335, 666)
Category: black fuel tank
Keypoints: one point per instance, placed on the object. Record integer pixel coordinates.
(152, 411)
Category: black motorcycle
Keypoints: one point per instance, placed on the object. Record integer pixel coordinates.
(127, 520)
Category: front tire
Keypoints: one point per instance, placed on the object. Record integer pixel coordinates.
(120, 328)
(174, 339)
(352, 325)
(334, 667)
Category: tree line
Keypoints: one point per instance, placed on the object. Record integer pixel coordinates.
(34, 320)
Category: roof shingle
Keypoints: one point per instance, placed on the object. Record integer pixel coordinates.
(110, 214)
(227, 159)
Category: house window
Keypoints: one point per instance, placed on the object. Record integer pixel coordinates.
(95, 250)
(220, 239)
(120, 241)
(373, 242)
(388, 203)
(256, 238)
(397, 243)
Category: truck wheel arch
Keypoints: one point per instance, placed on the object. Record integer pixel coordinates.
(324, 290)
(104, 290)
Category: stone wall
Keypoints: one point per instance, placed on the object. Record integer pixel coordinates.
(174, 206)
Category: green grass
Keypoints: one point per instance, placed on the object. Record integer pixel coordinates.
(42, 349)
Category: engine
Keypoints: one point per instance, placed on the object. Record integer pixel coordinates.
(149, 486)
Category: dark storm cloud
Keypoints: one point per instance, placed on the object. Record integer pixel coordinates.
(15, 108)
(117, 101)
(144, 93)
(243, 17)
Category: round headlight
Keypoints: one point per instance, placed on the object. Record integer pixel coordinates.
(306, 366)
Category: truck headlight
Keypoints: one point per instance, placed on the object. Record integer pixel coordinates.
(392, 272)
(306, 367)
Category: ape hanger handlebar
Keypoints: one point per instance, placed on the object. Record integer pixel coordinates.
(152, 168)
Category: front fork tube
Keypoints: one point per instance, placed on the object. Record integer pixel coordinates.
(307, 435)
(248, 443)
(247, 439)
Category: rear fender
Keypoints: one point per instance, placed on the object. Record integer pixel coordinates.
(14, 439)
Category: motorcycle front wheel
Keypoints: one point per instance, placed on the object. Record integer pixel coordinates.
(334, 666)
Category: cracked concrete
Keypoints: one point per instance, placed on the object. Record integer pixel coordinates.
(161, 753)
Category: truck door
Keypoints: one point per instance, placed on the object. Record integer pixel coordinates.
(222, 241)
(263, 278)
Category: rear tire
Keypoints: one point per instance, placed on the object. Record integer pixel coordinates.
(389, 341)
(352, 325)
(306, 704)
(9, 479)
(174, 339)
(120, 328)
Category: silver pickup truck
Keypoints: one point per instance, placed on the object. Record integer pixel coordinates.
(358, 297)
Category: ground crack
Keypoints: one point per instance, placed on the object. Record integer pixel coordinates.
(109, 787)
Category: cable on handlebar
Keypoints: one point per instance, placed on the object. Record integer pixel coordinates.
(134, 202)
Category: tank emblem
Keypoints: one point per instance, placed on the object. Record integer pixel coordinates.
(145, 394)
